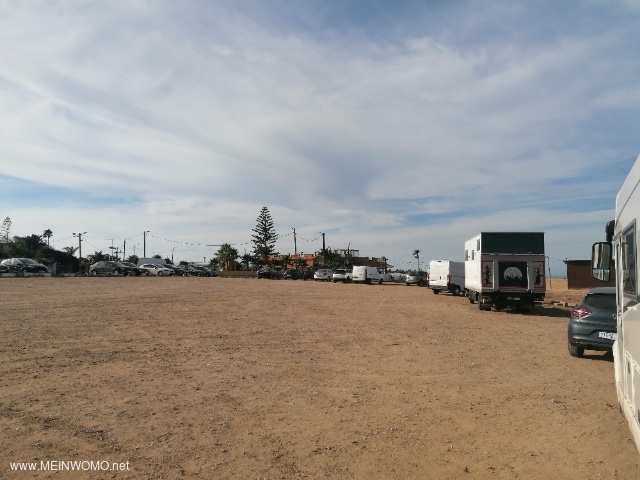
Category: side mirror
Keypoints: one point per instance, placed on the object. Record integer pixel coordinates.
(601, 261)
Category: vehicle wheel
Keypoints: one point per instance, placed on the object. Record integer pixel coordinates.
(472, 299)
(94, 273)
(575, 350)
(160, 274)
(380, 282)
(335, 281)
(407, 284)
(456, 291)
(436, 291)
(116, 273)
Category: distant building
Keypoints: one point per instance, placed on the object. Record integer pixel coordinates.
(579, 275)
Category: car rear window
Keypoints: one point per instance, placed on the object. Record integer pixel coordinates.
(601, 300)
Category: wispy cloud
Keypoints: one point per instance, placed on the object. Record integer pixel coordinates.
(361, 120)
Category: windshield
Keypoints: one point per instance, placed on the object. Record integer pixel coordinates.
(601, 300)
(28, 261)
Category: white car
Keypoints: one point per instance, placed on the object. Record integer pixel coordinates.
(156, 270)
(324, 274)
(342, 275)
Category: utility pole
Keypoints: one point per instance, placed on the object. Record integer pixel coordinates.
(144, 247)
(79, 235)
(322, 242)
(124, 249)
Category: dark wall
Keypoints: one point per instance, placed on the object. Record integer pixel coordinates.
(579, 275)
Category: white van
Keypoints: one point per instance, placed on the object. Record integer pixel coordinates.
(446, 276)
(364, 274)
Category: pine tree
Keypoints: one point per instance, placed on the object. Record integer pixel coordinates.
(264, 238)
(4, 230)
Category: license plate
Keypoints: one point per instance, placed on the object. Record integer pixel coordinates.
(607, 335)
(513, 298)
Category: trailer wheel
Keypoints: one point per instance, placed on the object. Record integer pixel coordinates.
(456, 291)
(575, 350)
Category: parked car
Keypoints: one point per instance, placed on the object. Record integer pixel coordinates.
(24, 265)
(193, 272)
(110, 268)
(416, 278)
(134, 269)
(4, 268)
(177, 270)
(593, 323)
(324, 274)
(342, 275)
(270, 273)
(156, 270)
(293, 274)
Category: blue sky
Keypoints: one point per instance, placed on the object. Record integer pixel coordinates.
(389, 126)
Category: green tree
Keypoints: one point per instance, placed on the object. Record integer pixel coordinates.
(416, 254)
(5, 230)
(264, 236)
(47, 234)
(247, 258)
(97, 257)
(226, 256)
(132, 259)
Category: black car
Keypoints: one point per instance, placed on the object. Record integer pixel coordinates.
(134, 269)
(109, 268)
(178, 270)
(24, 265)
(593, 324)
(293, 274)
(270, 273)
(4, 268)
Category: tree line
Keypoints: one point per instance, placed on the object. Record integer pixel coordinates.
(263, 239)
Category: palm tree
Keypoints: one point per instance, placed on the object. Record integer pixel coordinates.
(47, 234)
(416, 254)
(226, 256)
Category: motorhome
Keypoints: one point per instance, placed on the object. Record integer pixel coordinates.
(505, 269)
(621, 251)
(365, 274)
(446, 276)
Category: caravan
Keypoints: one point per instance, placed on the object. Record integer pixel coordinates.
(621, 251)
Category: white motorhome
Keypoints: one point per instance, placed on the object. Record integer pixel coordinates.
(621, 250)
(365, 274)
(446, 276)
(505, 269)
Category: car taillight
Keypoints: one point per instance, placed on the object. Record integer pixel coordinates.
(580, 313)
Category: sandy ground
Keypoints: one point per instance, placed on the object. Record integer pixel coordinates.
(168, 378)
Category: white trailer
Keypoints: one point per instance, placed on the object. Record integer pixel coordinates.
(621, 251)
(505, 269)
(446, 276)
(366, 274)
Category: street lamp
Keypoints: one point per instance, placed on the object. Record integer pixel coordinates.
(144, 248)
(79, 235)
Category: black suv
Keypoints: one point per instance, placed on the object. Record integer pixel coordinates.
(593, 323)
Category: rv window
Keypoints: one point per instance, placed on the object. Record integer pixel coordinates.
(472, 254)
(629, 274)
(478, 247)
(466, 255)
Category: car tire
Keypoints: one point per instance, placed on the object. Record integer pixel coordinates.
(160, 274)
(436, 292)
(575, 350)
(94, 273)
(456, 291)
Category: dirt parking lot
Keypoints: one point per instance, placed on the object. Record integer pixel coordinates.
(216, 378)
